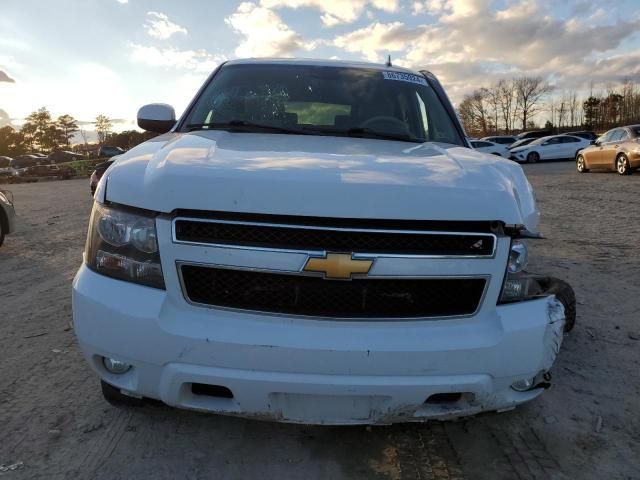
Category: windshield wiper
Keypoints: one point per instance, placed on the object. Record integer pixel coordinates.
(361, 132)
(245, 126)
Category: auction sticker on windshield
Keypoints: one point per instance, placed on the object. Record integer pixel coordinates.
(404, 77)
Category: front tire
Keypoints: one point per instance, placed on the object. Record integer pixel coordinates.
(533, 157)
(565, 295)
(622, 165)
(581, 165)
(116, 398)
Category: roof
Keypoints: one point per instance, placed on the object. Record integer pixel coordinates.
(320, 63)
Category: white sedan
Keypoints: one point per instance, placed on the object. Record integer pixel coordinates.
(490, 147)
(549, 148)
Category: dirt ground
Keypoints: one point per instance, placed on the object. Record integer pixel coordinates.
(55, 424)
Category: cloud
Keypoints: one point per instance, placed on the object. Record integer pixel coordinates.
(335, 12)
(472, 43)
(4, 77)
(194, 60)
(122, 1)
(264, 33)
(5, 120)
(374, 40)
(159, 26)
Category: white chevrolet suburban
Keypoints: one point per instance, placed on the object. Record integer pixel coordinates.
(314, 242)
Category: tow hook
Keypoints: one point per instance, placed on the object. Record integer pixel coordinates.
(546, 383)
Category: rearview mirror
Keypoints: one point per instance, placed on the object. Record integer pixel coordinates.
(157, 117)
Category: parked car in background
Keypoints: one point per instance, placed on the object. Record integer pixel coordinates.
(107, 151)
(520, 143)
(534, 134)
(7, 214)
(490, 147)
(501, 139)
(59, 171)
(589, 135)
(554, 147)
(5, 166)
(98, 173)
(61, 156)
(618, 149)
(24, 161)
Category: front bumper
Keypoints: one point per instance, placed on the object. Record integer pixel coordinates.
(313, 371)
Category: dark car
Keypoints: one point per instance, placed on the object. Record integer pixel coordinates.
(589, 135)
(501, 139)
(23, 161)
(48, 171)
(534, 134)
(521, 143)
(97, 174)
(61, 156)
(107, 151)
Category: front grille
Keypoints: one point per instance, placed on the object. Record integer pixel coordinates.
(315, 296)
(299, 237)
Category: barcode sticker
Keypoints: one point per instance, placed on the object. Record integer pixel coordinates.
(405, 77)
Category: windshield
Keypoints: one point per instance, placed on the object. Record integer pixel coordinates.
(321, 100)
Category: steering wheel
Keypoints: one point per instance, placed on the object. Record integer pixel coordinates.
(384, 120)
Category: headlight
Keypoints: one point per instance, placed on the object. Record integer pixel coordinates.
(518, 284)
(123, 244)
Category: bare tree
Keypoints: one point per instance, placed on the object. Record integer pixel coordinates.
(574, 106)
(530, 92)
(492, 96)
(506, 102)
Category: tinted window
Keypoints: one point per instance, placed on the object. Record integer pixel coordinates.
(616, 135)
(606, 136)
(636, 131)
(324, 100)
(553, 141)
(481, 144)
(570, 140)
(504, 140)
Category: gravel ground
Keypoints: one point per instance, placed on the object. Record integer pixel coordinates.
(54, 423)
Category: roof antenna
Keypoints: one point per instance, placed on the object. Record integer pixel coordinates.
(389, 61)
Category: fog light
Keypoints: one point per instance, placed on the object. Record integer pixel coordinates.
(115, 366)
(523, 385)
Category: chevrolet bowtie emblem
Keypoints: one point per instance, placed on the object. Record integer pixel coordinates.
(338, 265)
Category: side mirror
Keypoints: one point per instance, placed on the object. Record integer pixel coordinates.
(594, 142)
(157, 117)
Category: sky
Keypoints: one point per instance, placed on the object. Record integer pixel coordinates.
(90, 57)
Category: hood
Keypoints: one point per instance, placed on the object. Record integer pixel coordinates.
(320, 176)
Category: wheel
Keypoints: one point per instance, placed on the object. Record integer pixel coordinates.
(533, 157)
(1, 232)
(622, 165)
(581, 165)
(116, 398)
(565, 294)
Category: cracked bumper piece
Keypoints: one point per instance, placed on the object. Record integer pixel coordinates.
(313, 371)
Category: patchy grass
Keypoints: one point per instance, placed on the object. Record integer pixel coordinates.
(83, 168)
